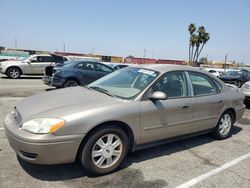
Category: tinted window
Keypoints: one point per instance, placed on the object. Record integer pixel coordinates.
(103, 68)
(86, 66)
(45, 59)
(212, 71)
(174, 84)
(202, 84)
(233, 73)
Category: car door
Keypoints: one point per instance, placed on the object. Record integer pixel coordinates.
(207, 101)
(44, 61)
(85, 72)
(163, 119)
(33, 66)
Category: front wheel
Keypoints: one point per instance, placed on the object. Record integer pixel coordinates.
(224, 127)
(13, 73)
(70, 83)
(104, 150)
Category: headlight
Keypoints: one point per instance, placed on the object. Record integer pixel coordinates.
(43, 125)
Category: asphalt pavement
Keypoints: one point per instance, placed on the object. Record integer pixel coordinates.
(199, 162)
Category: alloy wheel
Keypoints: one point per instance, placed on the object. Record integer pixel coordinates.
(106, 151)
(14, 73)
(225, 124)
(71, 83)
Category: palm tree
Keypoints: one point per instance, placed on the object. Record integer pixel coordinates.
(197, 41)
(191, 29)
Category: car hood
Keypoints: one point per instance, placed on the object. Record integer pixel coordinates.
(62, 102)
(8, 62)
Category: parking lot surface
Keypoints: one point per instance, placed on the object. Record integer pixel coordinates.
(201, 160)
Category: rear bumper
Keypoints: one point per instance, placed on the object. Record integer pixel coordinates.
(43, 148)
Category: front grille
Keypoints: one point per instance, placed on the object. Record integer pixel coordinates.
(28, 155)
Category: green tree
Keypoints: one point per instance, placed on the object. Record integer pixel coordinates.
(198, 39)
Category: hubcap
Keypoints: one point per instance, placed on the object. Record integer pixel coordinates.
(107, 151)
(225, 124)
(14, 73)
(71, 83)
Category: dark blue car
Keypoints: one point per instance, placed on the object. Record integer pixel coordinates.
(75, 73)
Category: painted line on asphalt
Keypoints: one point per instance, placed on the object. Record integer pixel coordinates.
(1, 128)
(10, 98)
(217, 170)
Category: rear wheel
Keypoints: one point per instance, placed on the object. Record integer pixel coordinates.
(104, 150)
(224, 127)
(71, 83)
(13, 73)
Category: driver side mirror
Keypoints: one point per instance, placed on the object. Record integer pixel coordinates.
(158, 95)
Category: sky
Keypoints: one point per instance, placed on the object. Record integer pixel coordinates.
(127, 27)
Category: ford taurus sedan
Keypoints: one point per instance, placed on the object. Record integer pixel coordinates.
(129, 109)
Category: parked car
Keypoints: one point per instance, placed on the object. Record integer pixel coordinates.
(129, 109)
(215, 72)
(116, 66)
(245, 88)
(33, 65)
(75, 73)
(236, 77)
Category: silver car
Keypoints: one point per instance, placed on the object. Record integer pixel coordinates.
(129, 109)
(245, 89)
(33, 65)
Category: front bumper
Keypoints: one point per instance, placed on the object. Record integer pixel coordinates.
(41, 148)
(53, 81)
(246, 92)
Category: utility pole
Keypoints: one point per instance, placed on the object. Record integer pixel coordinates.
(225, 63)
(15, 43)
(144, 53)
(64, 47)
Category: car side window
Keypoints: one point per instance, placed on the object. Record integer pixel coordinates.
(45, 59)
(202, 84)
(86, 66)
(103, 68)
(218, 85)
(174, 84)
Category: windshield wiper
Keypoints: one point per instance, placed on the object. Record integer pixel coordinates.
(96, 88)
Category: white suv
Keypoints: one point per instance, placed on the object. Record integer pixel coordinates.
(33, 65)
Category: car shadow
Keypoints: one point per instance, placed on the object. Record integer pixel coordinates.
(50, 89)
(24, 77)
(74, 170)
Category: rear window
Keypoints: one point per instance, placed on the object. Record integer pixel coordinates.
(202, 84)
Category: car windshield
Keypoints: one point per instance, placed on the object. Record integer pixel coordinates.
(233, 73)
(125, 83)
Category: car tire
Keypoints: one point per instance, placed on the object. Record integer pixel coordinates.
(99, 157)
(13, 72)
(71, 83)
(224, 127)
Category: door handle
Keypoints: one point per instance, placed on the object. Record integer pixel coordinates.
(185, 106)
(220, 101)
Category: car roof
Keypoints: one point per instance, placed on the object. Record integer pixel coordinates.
(162, 68)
